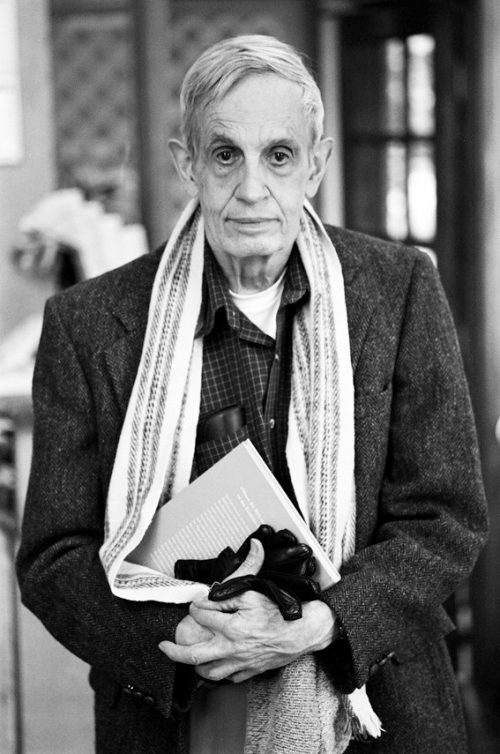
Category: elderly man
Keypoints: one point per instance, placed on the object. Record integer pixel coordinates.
(339, 351)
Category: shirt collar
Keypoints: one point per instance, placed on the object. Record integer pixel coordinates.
(216, 297)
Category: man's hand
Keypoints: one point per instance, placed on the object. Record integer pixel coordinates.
(247, 635)
(189, 631)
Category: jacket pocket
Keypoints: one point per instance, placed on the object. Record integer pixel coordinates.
(374, 402)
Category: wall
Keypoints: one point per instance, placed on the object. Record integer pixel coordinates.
(24, 184)
(56, 712)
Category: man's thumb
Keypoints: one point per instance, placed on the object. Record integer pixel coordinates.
(252, 563)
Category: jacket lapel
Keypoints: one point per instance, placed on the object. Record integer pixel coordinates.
(359, 303)
(129, 313)
(121, 361)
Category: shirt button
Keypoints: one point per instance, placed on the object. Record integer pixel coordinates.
(276, 357)
(272, 422)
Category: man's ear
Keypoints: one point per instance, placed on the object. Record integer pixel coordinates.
(319, 160)
(184, 165)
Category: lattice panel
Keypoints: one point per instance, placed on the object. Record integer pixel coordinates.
(191, 34)
(95, 98)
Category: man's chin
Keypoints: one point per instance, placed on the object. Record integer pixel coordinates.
(256, 244)
(257, 249)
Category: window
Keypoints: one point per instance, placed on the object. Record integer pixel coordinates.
(408, 126)
(390, 131)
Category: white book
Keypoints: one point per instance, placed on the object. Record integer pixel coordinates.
(220, 509)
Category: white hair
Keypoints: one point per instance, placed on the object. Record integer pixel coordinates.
(227, 63)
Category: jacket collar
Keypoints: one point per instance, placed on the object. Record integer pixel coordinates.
(132, 307)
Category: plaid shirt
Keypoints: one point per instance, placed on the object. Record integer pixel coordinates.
(243, 366)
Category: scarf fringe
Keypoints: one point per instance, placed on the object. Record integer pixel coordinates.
(365, 722)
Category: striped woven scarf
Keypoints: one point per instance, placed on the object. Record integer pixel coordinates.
(156, 448)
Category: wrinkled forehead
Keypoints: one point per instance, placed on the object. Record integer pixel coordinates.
(264, 101)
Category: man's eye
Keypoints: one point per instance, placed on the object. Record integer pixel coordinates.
(225, 156)
(280, 157)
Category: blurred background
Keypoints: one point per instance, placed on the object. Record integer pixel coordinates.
(88, 99)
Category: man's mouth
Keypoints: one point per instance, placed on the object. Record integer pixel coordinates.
(238, 219)
(252, 223)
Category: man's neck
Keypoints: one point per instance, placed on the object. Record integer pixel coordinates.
(251, 274)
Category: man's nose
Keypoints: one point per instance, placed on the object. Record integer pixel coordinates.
(252, 186)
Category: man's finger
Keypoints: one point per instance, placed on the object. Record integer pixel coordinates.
(215, 620)
(195, 654)
(245, 601)
(252, 563)
(187, 654)
(219, 670)
(241, 676)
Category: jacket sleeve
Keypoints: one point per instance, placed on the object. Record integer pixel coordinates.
(60, 574)
(430, 507)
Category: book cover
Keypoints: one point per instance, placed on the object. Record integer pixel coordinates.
(220, 509)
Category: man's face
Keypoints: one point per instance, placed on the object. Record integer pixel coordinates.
(254, 166)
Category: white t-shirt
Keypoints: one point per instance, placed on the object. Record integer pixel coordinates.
(262, 307)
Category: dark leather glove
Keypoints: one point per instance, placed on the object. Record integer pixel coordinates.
(209, 570)
(283, 552)
(285, 576)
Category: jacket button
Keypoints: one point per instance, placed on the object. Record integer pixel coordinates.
(133, 691)
(149, 700)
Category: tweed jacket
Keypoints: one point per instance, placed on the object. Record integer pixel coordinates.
(421, 517)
